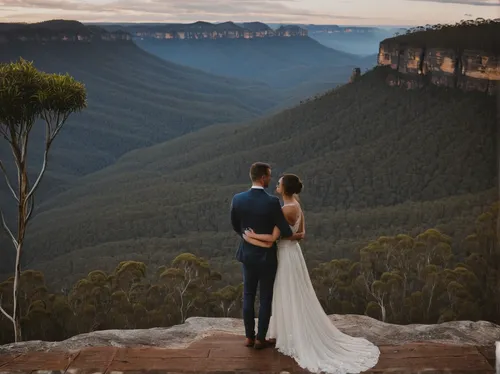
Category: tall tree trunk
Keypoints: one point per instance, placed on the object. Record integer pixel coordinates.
(15, 314)
(383, 311)
(22, 218)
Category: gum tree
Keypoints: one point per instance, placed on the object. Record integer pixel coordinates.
(28, 98)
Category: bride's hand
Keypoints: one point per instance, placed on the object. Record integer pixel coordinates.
(300, 235)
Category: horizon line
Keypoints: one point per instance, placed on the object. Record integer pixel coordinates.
(215, 22)
(238, 22)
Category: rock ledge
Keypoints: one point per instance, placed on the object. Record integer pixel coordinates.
(479, 333)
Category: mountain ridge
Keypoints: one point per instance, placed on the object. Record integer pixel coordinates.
(77, 31)
(202, 30)
(57, 30)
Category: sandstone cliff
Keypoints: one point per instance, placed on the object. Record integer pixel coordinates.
(464, 56)
(471, 70)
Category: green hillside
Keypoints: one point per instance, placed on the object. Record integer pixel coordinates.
(374, 159)
(135, 100)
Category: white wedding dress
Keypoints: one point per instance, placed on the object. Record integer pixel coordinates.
(301, 327)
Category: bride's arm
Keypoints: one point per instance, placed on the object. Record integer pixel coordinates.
(258, 243)
(276, 231)
(272, 237)
(267, 240)
(264, 237)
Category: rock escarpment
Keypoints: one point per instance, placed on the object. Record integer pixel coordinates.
(479, 333)
(464, 56)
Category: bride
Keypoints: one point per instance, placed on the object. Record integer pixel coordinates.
(298, 324)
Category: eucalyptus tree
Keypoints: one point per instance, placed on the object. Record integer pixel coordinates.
(28, 98)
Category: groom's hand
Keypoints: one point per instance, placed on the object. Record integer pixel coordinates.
(301, 235)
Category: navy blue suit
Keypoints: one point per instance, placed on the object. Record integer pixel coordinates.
(258, 210)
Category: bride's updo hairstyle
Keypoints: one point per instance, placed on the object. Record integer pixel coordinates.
(292, 185)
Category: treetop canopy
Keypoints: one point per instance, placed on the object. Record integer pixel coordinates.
(27, 94)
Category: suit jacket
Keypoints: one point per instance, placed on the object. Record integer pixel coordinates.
(260, 211)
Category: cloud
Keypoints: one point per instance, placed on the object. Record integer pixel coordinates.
(488, 3)
(154, 6)
(177, 9)
(270, 11)
(43, 4)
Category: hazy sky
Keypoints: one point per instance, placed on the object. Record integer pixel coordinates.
(354, 12)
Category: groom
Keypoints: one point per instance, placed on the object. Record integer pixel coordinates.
(260, 211)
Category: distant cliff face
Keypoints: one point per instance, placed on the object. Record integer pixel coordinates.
(471, 70)
(61, 30)
(208, 31)
(57, 31)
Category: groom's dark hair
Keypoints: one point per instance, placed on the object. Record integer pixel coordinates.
(259, 170)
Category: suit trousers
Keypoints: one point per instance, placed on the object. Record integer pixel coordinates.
(255, 274)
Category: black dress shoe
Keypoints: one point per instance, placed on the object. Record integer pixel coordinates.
(259, 344)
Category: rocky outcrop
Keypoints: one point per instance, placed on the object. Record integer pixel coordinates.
(356, 73)
(196, 328)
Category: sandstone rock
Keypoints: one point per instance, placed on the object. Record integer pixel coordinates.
(196, 328)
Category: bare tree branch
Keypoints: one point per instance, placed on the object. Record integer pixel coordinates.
(3, 132)
(17, 159)
(40, 175)
(6, 228)
(30, 210)
(8, 181)
(49, 137)
(59, 125)
(52, 131)
(9, 317)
